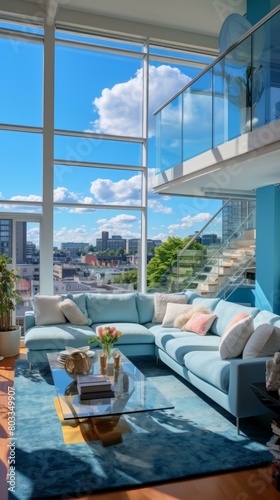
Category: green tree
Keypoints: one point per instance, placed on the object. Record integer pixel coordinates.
(128, 277)
(161, 270)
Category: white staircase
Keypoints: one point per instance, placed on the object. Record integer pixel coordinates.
(227, 267)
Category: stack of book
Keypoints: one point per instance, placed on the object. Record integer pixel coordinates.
(274, 442)
(94, 387)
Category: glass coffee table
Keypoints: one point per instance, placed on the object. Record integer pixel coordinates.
(134, 393)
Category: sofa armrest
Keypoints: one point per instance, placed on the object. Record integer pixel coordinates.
(242, 399)
(29, 320)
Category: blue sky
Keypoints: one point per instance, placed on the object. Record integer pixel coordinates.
(100, 93)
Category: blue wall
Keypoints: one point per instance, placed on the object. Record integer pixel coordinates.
(243, 295)
(257, 9)
(268, 248)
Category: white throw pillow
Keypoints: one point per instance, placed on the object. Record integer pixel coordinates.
(47, 310)
(173, 311)
(160, 302)
(235, 338)
(264, 341)
(72, 312)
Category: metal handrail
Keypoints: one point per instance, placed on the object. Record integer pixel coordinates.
(201, 230)
(221, 248)
(238, 274)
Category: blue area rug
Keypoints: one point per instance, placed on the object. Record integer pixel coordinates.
(195, 438)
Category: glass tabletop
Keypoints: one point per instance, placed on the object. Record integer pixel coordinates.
(133, 391)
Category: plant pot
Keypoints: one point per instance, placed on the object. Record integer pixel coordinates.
(10, 343)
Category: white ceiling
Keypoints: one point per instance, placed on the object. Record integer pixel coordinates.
(198, 16)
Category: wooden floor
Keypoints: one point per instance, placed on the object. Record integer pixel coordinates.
(249, 484)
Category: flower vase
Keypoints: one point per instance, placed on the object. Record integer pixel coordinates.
(107, 349)
(104, 359)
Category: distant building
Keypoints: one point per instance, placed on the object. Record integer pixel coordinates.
(20, 242)
(71, 248)
(32, 256)
(116, 242)
(131, 246)
(6, 239)
(101, 243)
(105, 243)
(134, 245)
(234, 213)
(62, 271)
(70, 286)
(208, 239)
(90, 259)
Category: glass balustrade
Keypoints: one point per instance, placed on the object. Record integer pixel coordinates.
(234, 95)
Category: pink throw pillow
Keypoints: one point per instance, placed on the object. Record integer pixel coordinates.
(199, 323)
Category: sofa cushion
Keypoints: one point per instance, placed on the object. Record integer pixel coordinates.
(111, 308)
(80, 301)
(56, 337)
(225, 313)
(72, 313)
(267, 317)
(178, 347)
(173, 311)
(145, 306)
(160, 302)
(199, 323)
(132, 333)
(208, 366)
(195, 299)
(264, 341)
(47, 310)
(235, 338)
(162, 335)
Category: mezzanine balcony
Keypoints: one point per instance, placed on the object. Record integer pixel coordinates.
(220, 136)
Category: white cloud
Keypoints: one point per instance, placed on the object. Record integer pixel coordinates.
(125, 225)
(119, 108)
(33, 234)
(127, 192)
(106, 191)
(156, 206)
(30, 197)
(159, 236)
(63, 195)
(21, 208)
(124, 191)
(121, 220)
(79, 234)
(189, 221)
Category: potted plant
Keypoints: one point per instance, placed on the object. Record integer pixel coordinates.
(9, 333)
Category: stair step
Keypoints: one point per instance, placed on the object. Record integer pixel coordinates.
(207, 287)
(222, 271)
(241, 243)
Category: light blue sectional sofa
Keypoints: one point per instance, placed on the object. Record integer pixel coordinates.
(195, 357)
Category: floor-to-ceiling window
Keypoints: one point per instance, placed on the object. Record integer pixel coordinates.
(21, 139)
(77, 146)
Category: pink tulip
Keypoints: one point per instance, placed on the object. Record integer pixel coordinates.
(100, 332)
